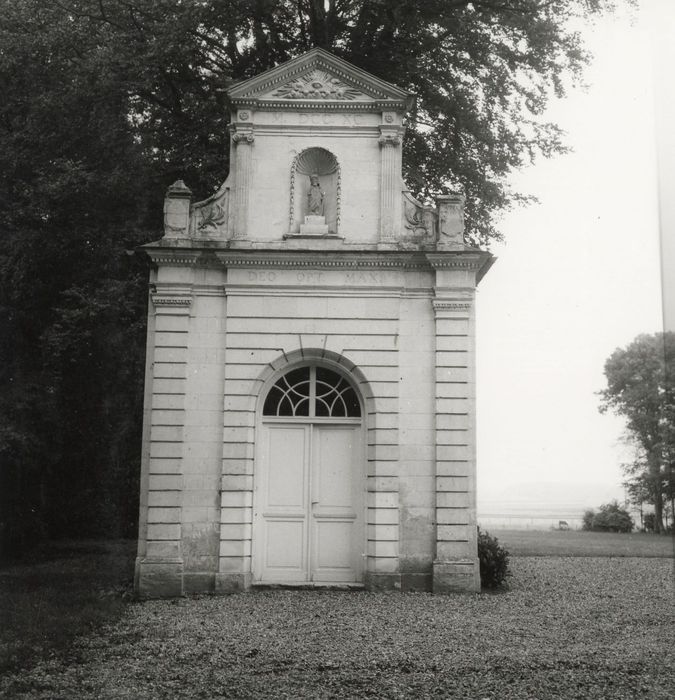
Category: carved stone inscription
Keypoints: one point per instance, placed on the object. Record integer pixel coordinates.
(315, 119)
(301, 278)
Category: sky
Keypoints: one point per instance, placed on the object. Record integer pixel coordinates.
(578, 276)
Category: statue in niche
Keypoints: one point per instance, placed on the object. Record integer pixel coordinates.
(315, 196)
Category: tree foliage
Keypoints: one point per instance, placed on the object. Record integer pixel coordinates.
(611, 517)
(641, 388)
(106, 102)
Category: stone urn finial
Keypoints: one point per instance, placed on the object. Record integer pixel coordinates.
(450, 221)
(177, 210)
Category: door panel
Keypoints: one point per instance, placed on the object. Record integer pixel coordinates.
(286, 469)
(336, 516)
(281, 504)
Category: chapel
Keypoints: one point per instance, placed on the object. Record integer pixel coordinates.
(310, 386)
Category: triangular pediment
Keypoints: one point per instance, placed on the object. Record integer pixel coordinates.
(318, 79)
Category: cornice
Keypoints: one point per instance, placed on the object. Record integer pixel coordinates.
(221, 256)
(264, 105)
(323, 260)
(459, 260)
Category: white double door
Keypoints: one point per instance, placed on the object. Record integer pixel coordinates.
(308, 504)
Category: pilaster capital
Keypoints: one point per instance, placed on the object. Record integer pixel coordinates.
(244, 138)
(452, 307)
(170, 301)
(389, 140)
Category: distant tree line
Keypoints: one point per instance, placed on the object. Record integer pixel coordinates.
(104, 103)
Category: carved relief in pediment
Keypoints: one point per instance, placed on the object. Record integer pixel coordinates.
(317, 85)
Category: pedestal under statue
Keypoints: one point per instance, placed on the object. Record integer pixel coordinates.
(315, 221)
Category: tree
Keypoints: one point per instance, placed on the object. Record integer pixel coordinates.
(611, 517)
(106, 102)
(641, 388)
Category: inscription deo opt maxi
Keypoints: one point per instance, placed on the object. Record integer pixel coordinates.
(317, 277)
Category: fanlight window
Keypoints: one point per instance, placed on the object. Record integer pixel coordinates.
(312, 392)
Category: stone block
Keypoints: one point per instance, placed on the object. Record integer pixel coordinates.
(236, 515)
(456, 577)
(383, 581)
(455, 405)
(163, 531)
(383, 533)
(416, 583)
(165, 465)
(167, 433)
(382, 516)
(455, 551)
(167, 417)
(235, 565)
(452, 500)
(376, 548)
(198, 583)
(163, 515)
(455, 469)
(236, 531)
(171, 402)
(235, 548)
(452, 358)
(227, 583)
(453, 516)
(165, 482)
(237, 467)
(452, 483)
(160, 578)
(171, 339)
(237, 482)
(452, 533)
(163, 550)
(382, 484)
(171, 355)
(236, 499)
(164, 498)
(382, 500)
(169, 370)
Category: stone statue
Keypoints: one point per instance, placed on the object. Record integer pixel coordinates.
(315, 197)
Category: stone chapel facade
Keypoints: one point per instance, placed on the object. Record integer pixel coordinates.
(310, 395)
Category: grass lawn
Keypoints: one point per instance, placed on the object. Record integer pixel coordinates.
(568, 627)
(576, 543)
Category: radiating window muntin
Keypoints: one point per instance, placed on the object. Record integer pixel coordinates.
(312, 392)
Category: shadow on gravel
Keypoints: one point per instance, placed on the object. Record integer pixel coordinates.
(58, 592)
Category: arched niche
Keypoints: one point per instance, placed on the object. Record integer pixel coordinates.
(323, 163)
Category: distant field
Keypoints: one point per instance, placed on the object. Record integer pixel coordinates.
(576, 543)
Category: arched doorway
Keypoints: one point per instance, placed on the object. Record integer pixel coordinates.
(309, 480)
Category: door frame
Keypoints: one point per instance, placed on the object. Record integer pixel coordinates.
(360, 468)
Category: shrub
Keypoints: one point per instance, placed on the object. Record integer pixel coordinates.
(587, 520)
(494, 561)
(610, 518)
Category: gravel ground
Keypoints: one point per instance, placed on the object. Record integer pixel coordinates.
(566, 628)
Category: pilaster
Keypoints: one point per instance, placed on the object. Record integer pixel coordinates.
(390, 179)
(456, 567)
(159, 571)
(242, 138)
